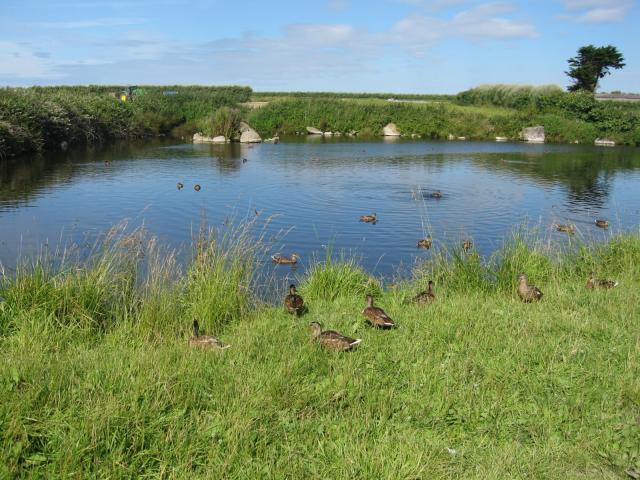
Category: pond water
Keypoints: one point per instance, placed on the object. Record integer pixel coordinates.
(315, 190)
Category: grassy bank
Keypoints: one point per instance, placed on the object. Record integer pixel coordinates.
(42, 118)
(96, 379)
(46, 118)
(566, 117)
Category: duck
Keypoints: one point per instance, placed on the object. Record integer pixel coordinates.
(425, 242)
(467, 245)
(294, 302)
(528, 293)
(208, 342)
(427, 296)
(602, 223)
(180, 185)
(331, 339)
(376, 316)
(369, 218)
(282, 260)
(436, 194)
(197, 187)
(244, 160)
(566, 228)
(593, 282)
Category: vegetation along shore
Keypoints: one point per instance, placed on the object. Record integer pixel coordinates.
(50, 118)
(97, 378)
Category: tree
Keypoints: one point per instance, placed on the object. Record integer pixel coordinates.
(592, 64)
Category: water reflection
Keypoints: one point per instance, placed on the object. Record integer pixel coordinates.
(317, 188)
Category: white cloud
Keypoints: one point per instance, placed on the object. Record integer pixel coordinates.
(93, 23)
(17, 61)
(304, 52)
(419, 32)
(597, 11)
(433, 4)
(338, 5)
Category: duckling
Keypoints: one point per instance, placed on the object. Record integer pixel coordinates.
(294, 302)
(593, 283)
(197, 188)
(436, 194)
(377, 316)
(427, 296)
(208, 342)
(282, 260)
(602, 223)
(467, 245)
(180, 185)
(331, 339)
(369, 218)
(425, 242)
(566, 228)
(528, 293)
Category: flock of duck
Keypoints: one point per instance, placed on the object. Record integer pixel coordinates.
(376, 317)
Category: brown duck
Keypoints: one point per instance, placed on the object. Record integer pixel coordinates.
(467, 245)
(593, 282)
(282, 260)
(528, 293)
(331, 339)
(436, 194)
(602, 223)
(377, 316)
(294, 302)
(208, 342)
(427, 296)
(566, 227)
(369, 218)
(425, 242)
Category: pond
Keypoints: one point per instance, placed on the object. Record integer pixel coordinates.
(315, 190)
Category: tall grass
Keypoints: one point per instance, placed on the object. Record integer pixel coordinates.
(42, 118)
(567, 118)
(96, 379)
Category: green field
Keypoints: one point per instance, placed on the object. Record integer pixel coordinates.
(97, 381)
(41, 119)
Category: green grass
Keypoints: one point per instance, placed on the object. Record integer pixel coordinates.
(39, 119)
(96, 380)
(566, 118)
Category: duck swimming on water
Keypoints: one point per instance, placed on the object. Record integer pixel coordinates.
(282, 260)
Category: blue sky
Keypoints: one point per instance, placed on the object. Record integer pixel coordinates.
(439, 46)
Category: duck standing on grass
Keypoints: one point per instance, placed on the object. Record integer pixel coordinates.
(528, 293)
(294, 302)
(331, 339)
(282, 260)
(593, 282)
(208, 342)
(376, 316)
(427, 296)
